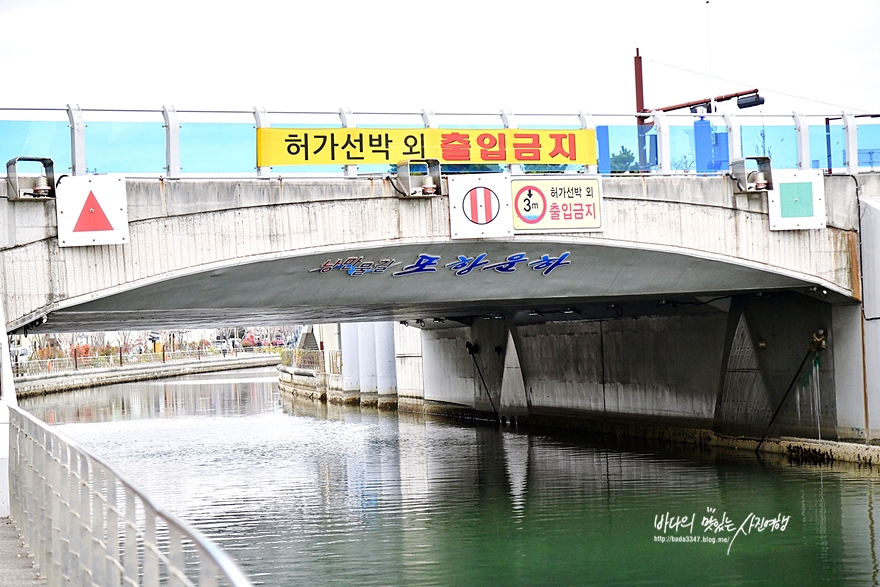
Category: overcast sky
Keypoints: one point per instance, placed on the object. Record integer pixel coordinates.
(452, 56)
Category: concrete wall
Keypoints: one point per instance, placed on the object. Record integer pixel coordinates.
(723, 368)
(651, 366)
(190, 226)
(769, 338)
(849, 382)
(663, 366)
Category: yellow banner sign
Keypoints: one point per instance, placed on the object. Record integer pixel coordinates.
(550, 205)
(377, 146)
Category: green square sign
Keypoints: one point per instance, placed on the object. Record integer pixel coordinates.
(796, 200)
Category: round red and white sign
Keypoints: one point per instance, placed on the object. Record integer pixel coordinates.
(481, 205)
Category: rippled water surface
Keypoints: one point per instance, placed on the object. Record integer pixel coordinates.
(308, 494)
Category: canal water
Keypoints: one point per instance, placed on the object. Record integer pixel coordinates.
(309, 494)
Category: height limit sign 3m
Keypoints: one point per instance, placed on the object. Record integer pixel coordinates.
(557, 205)
(92, 210)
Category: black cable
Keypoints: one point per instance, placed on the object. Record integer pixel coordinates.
(391, 181)
(785, 397)
(472, 350)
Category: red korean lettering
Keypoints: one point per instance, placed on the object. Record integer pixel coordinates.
(487, 142)
(527, 147)
(455, 146)
(560, 150)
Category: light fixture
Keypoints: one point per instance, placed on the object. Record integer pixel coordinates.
(534, 313)
(749, 101)
(568, 311)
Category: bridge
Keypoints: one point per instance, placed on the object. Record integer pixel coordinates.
(686, 295)
(716, 277)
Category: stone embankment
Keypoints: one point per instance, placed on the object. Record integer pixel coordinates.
(30, 385)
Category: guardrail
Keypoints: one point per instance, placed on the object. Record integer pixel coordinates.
(116, 361)
(314, 360)
(176, 143)
(87, 526)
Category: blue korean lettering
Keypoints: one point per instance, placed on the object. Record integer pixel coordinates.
(424, 264)
(465, 265)
(546, 263)
(509, 265)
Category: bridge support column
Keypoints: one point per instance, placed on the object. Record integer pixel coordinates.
(386, 370)
(849, 383)
(369, 392)
(464, 368)
(408, 359)
(351, 388)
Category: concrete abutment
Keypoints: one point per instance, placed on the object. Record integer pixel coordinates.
(720, 368)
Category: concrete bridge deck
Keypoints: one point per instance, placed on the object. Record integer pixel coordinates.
(243, 251)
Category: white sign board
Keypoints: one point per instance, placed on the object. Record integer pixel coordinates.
(92, 210)
(797, 201)
(479, 206)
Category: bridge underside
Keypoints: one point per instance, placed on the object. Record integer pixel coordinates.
(600, 281)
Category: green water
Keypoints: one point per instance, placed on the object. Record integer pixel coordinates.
(305, 494)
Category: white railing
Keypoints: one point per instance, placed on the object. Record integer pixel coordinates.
(87, 526)
(117, 361)
(666, 143)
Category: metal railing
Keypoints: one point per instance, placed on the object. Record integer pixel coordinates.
(87, 526)
(314, 360)
(197, 143)
(116, 361)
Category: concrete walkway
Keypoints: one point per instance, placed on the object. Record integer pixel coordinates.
(16, 568)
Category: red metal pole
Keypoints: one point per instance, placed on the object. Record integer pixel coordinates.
(640, 107)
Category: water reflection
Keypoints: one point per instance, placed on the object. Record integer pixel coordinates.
(315, 494)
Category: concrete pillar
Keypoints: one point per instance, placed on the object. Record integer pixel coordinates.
(408, 359)
(513, 404)
(872, 372)
(351, 387)
(386, 367)
(849, 383)
(367, 362)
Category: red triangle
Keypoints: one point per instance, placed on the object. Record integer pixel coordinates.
(92, 217)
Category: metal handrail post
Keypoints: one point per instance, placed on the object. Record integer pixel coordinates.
(803, 140)
(850, 129)
(77, 140)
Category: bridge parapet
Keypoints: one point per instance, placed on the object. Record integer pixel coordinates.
(188, 227)
(180, 143)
